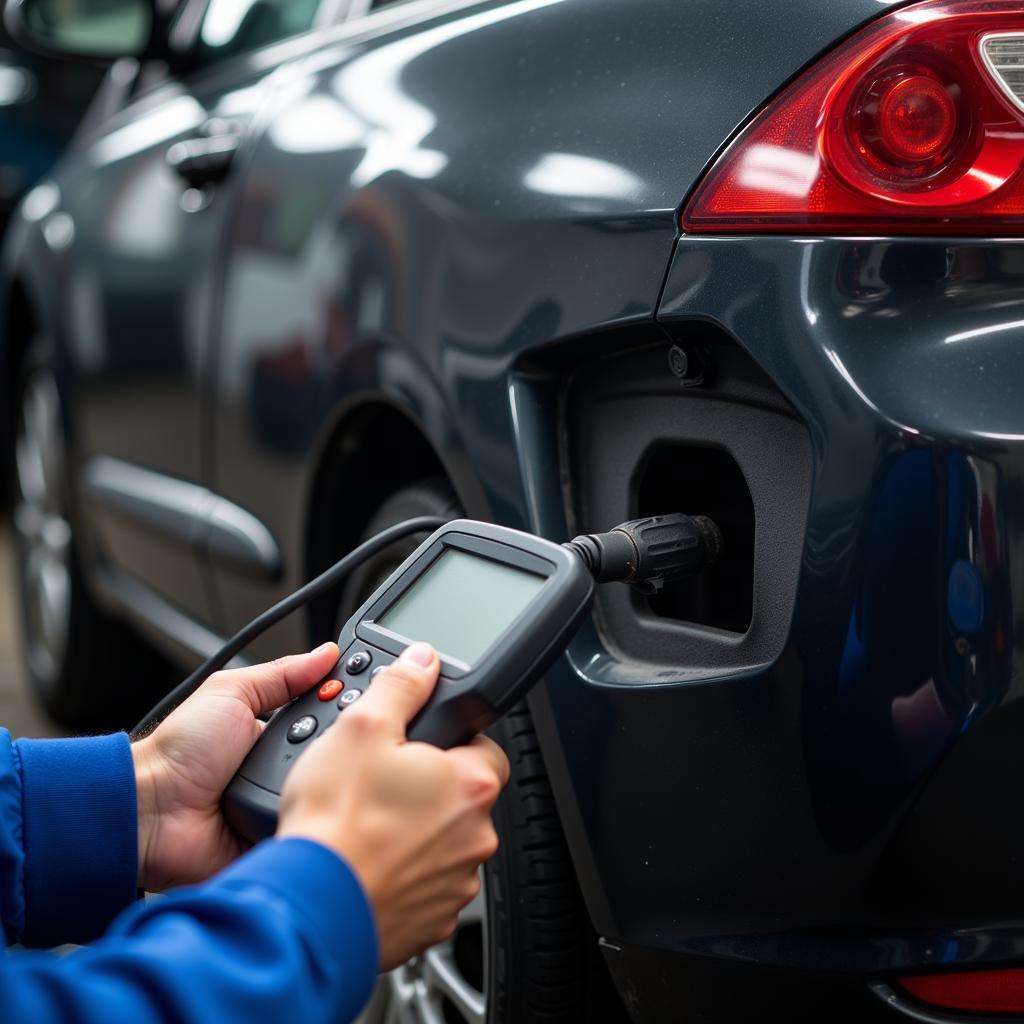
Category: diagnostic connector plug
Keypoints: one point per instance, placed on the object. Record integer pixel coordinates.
(649, 552)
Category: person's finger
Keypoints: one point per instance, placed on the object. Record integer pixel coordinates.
(498, 756)
(484, 756)
(402, 688)
(268, 686)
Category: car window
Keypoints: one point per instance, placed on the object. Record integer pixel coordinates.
(231, 27)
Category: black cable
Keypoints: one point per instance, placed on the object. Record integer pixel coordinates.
(645, 552)
(246, 635)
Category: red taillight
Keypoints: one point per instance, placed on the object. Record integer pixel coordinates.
(915, 121)
(908, 127)
(990, 991)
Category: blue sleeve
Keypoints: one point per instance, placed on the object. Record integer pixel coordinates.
(284, 934)
(68, 841)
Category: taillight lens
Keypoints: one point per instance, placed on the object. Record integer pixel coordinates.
(915, 125)
(999, 990)
(908, 122)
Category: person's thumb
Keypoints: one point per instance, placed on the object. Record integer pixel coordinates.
(266, 687)
(401, 689)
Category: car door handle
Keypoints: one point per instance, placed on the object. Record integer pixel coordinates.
(203, 160)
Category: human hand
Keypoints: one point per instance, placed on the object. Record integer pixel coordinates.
(412, 820)
(184, 765)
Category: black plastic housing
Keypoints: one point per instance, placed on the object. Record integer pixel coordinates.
(638, 442)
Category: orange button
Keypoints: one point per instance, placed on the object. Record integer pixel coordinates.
(330, 689)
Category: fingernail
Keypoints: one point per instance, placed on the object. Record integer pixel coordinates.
(324, 648)
(418, 654)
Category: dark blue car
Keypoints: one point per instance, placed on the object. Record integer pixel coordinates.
(560, 263)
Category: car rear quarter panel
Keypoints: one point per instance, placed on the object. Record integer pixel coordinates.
(436, 194)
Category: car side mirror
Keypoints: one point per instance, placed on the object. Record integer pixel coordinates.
(86, 29)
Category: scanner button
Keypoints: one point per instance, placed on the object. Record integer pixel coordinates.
(359, 662)
(329, 689)
(301, 729)
(349, 697)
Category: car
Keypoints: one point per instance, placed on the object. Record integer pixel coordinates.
(41, 103)
(557, 264)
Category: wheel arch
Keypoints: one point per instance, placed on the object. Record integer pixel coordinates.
(375, 444)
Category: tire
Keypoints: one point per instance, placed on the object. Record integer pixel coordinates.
(524, 951)
(429, 497)
(88, 672)
(544, 965)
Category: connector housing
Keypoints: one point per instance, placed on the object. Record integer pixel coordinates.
(651, 551)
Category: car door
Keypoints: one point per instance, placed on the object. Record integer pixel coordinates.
(149, 195)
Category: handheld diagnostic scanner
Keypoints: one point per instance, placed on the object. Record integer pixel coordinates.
(496, 604)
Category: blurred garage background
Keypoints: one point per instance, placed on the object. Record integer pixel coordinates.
(42, 101)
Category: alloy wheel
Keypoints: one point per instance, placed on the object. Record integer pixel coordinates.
(42, 527)
(447, 984)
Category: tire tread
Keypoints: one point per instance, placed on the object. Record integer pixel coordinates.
(545, 965)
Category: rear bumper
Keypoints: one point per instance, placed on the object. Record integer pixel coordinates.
(852, 807)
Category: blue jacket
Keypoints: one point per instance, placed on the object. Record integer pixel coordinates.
(283, 934)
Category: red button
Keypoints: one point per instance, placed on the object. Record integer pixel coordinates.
(330, 689)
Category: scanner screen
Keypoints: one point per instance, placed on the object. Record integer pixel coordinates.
(462, 604)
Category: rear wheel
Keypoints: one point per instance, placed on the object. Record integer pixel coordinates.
(524, 951)
(429, 497)
(87, 671)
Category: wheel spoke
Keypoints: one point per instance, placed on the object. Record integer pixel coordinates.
(33, 564)
(427, 1007)
(395, 1013)
(35, 614)
(36, 427)
(53, 603)
(419, 991)
(403, 994)
(47, 425)
(40, 448)
(28, 522)
(441, 972)
(29, 469)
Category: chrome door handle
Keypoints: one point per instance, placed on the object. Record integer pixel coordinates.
(203, 160)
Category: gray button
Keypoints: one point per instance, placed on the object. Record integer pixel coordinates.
(359, 662)
(349, 696)
(301, 729)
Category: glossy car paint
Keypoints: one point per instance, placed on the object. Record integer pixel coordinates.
(41, 102)
(437, 213)
(837, 812)
(474, 224)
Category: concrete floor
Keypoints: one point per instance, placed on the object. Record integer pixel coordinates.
(18, 711)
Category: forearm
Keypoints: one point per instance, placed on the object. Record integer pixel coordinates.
(68, 829)
(284, 934)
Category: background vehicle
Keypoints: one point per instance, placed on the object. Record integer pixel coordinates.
(41, 102)
(428, 258)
